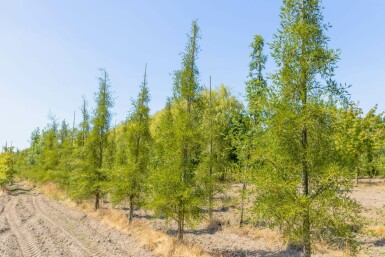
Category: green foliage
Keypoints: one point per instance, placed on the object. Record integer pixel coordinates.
(7, 166)
(299, 142)
(256, 86)
(178, 161)
(97, 143)
(128, 180)
(217, 108)
(299, 191)
(360, 140)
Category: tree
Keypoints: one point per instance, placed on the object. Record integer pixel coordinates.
(132, 169)
(7, 165)
(180, 159)
(47, 160)
(65, 150)
(98, 140)
(79, 179)
(256, 86)
(242, 142)
(217, 109)
(349, 137)
(35, 146)
(300, 191)
(84, 127)
(248, 126)
(373, 138)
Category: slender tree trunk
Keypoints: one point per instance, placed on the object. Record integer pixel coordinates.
(242, 204)
(305, 170)
(211, 191)
(305, 185)
(243, 198)
(356, 176)
(131, 212)
(97, 199)
(180, 224)
(305, 191)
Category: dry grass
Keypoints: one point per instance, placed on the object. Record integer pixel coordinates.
(159, 243)
(271, 237)
(377, 231)
(371, 183)
(53, 191)
(324, 249)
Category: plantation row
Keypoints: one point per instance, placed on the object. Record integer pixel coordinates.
(299, 143)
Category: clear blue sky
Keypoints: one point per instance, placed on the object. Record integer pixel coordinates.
(50, 51)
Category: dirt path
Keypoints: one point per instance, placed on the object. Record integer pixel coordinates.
(33, 225)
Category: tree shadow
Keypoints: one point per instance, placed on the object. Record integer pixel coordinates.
(380, 242)
(261, 253)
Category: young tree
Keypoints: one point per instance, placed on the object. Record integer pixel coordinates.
(7, 165)
(242, 144)
(256, 86)
(248, 125)
(218, 107)
(98, 140)
(349, 137)
(49, 158)
(181, 157)
(84, 127)
(79, 181)
(35, 146)
(301, 190)
(132, 169)
(65, 149)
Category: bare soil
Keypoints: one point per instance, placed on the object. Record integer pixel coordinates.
(370, 194)
(225, 238)
(31, 224)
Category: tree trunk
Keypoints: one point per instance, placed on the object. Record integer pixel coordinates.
(180, 225)
(356, 176)
(305, 192)
(211, 204)
(306, 235)
(242, 203)
(97, 199)
(211, 191)
(131, 212)
(305, 171)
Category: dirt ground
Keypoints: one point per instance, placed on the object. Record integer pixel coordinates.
(371, 196)
(227, 239)
(33, 225)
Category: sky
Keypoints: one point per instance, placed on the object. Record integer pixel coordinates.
(50, 52)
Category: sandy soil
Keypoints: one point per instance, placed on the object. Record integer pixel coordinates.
(371, 196)
(226, 239)
(33, 225)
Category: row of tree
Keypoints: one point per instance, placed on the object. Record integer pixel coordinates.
(298, 144)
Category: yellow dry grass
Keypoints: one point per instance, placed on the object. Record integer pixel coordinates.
(378, 231)
(159, 243)
(371, 184)
(271, 237)
(53, 191)
(324, 249)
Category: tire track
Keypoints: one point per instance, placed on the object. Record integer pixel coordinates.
(27, 244)
(70, 229)
(113, 242)
(85, 246)
(33, 225)
(54, 240)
